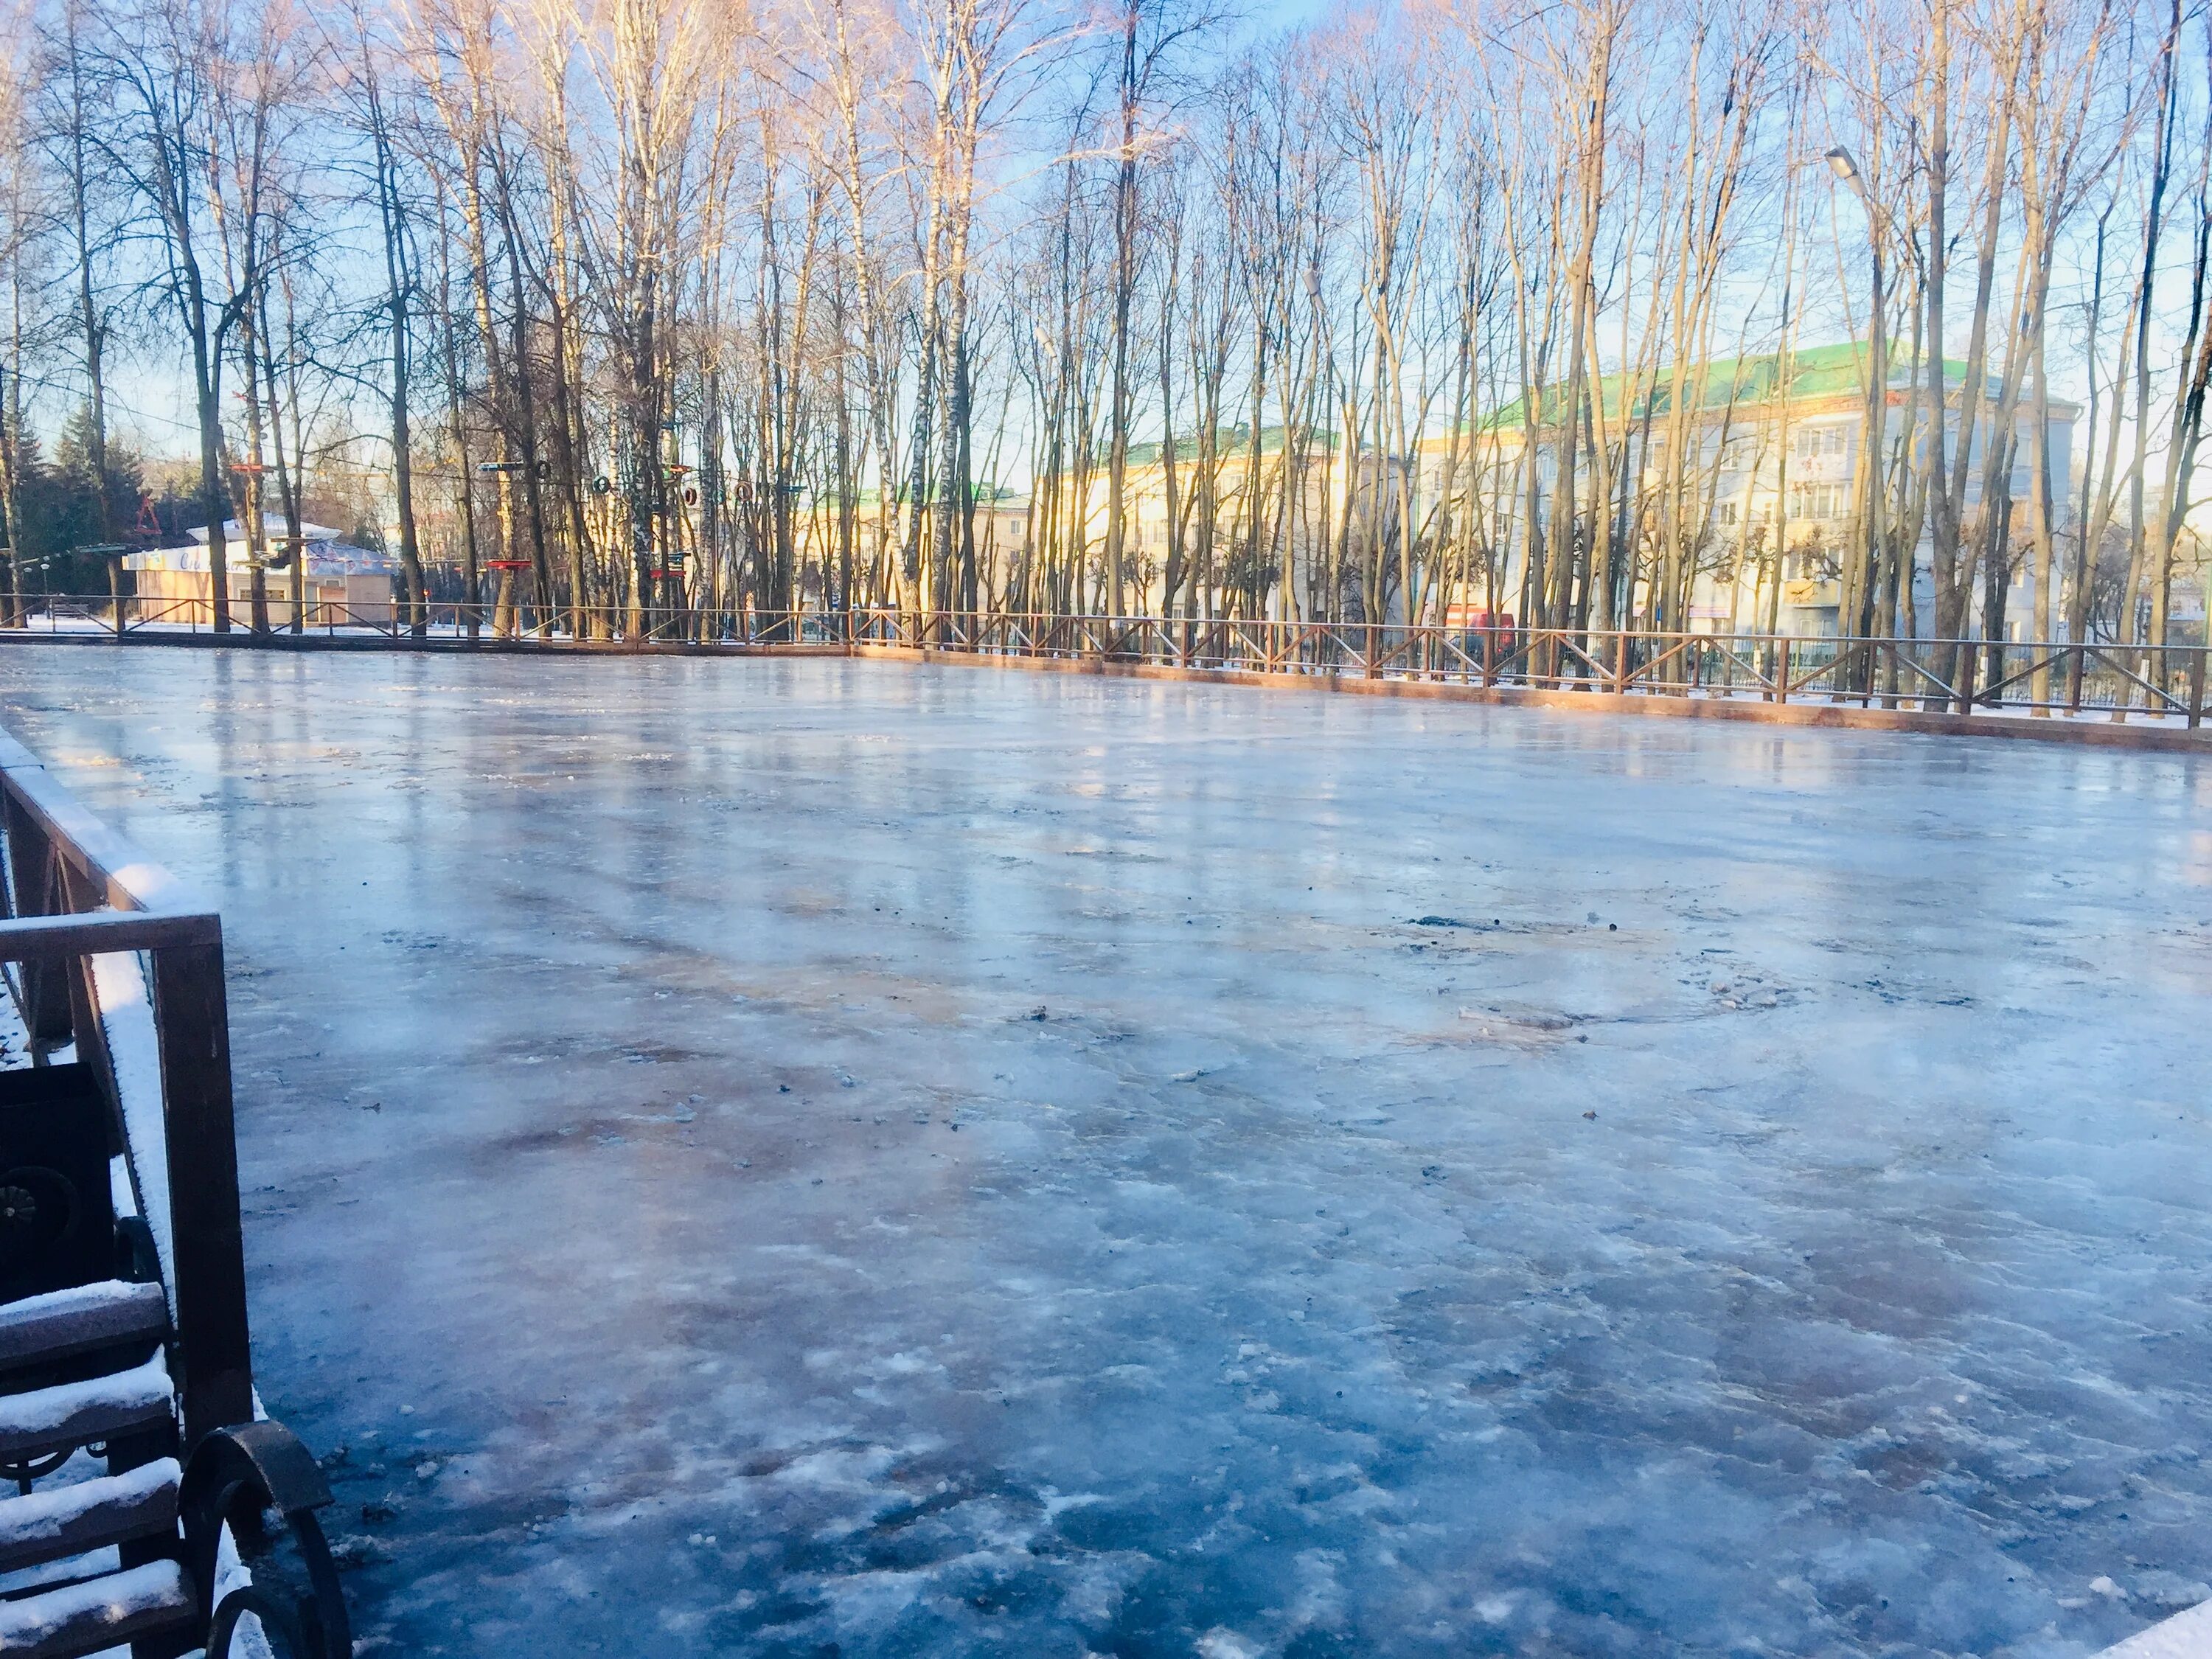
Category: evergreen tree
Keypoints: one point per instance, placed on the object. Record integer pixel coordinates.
(68, 506)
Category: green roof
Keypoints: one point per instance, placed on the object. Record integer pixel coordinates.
(1227, 440)
(986, 494)
(1829, 371)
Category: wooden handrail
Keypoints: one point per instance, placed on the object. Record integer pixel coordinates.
(96, 932)
(111, 862)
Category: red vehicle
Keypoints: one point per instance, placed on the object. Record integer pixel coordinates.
(1485, 634)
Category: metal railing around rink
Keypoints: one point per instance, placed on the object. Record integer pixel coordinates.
(2051, 678)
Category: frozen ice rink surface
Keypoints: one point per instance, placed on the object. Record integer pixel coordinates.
(820, 1158)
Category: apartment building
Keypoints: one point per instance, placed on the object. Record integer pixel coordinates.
(1769, 503)
(1297, 481)
(1770, 493)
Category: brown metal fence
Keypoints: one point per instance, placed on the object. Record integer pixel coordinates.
(2164, 683)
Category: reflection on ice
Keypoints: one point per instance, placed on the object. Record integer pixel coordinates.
(804, 1157)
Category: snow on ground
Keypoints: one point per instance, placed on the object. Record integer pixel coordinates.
(768, 1158)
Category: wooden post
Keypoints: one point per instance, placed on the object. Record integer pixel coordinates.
(208, 1263)
(2196, 688)
(44, 1001)
(1620, 663)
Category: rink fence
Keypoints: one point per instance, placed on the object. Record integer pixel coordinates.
(2161, 685)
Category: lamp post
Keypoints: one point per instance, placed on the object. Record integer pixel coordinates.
(1858, 595)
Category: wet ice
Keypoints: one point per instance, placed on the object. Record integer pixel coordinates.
(602, 1029)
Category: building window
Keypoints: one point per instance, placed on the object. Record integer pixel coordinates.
(1818, 501)
(1815, 442)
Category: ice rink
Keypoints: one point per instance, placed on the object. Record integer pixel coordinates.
(817, 1157)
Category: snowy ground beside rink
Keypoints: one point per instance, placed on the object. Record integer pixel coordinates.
(796, 1157)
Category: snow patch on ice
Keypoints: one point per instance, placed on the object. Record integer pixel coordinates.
(1220, 1644)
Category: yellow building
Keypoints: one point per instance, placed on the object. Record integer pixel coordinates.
(1774, 466)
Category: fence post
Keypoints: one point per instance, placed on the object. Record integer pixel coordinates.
(33, 872)
(1620, 663)
(2196, 688)
(191, 1022)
